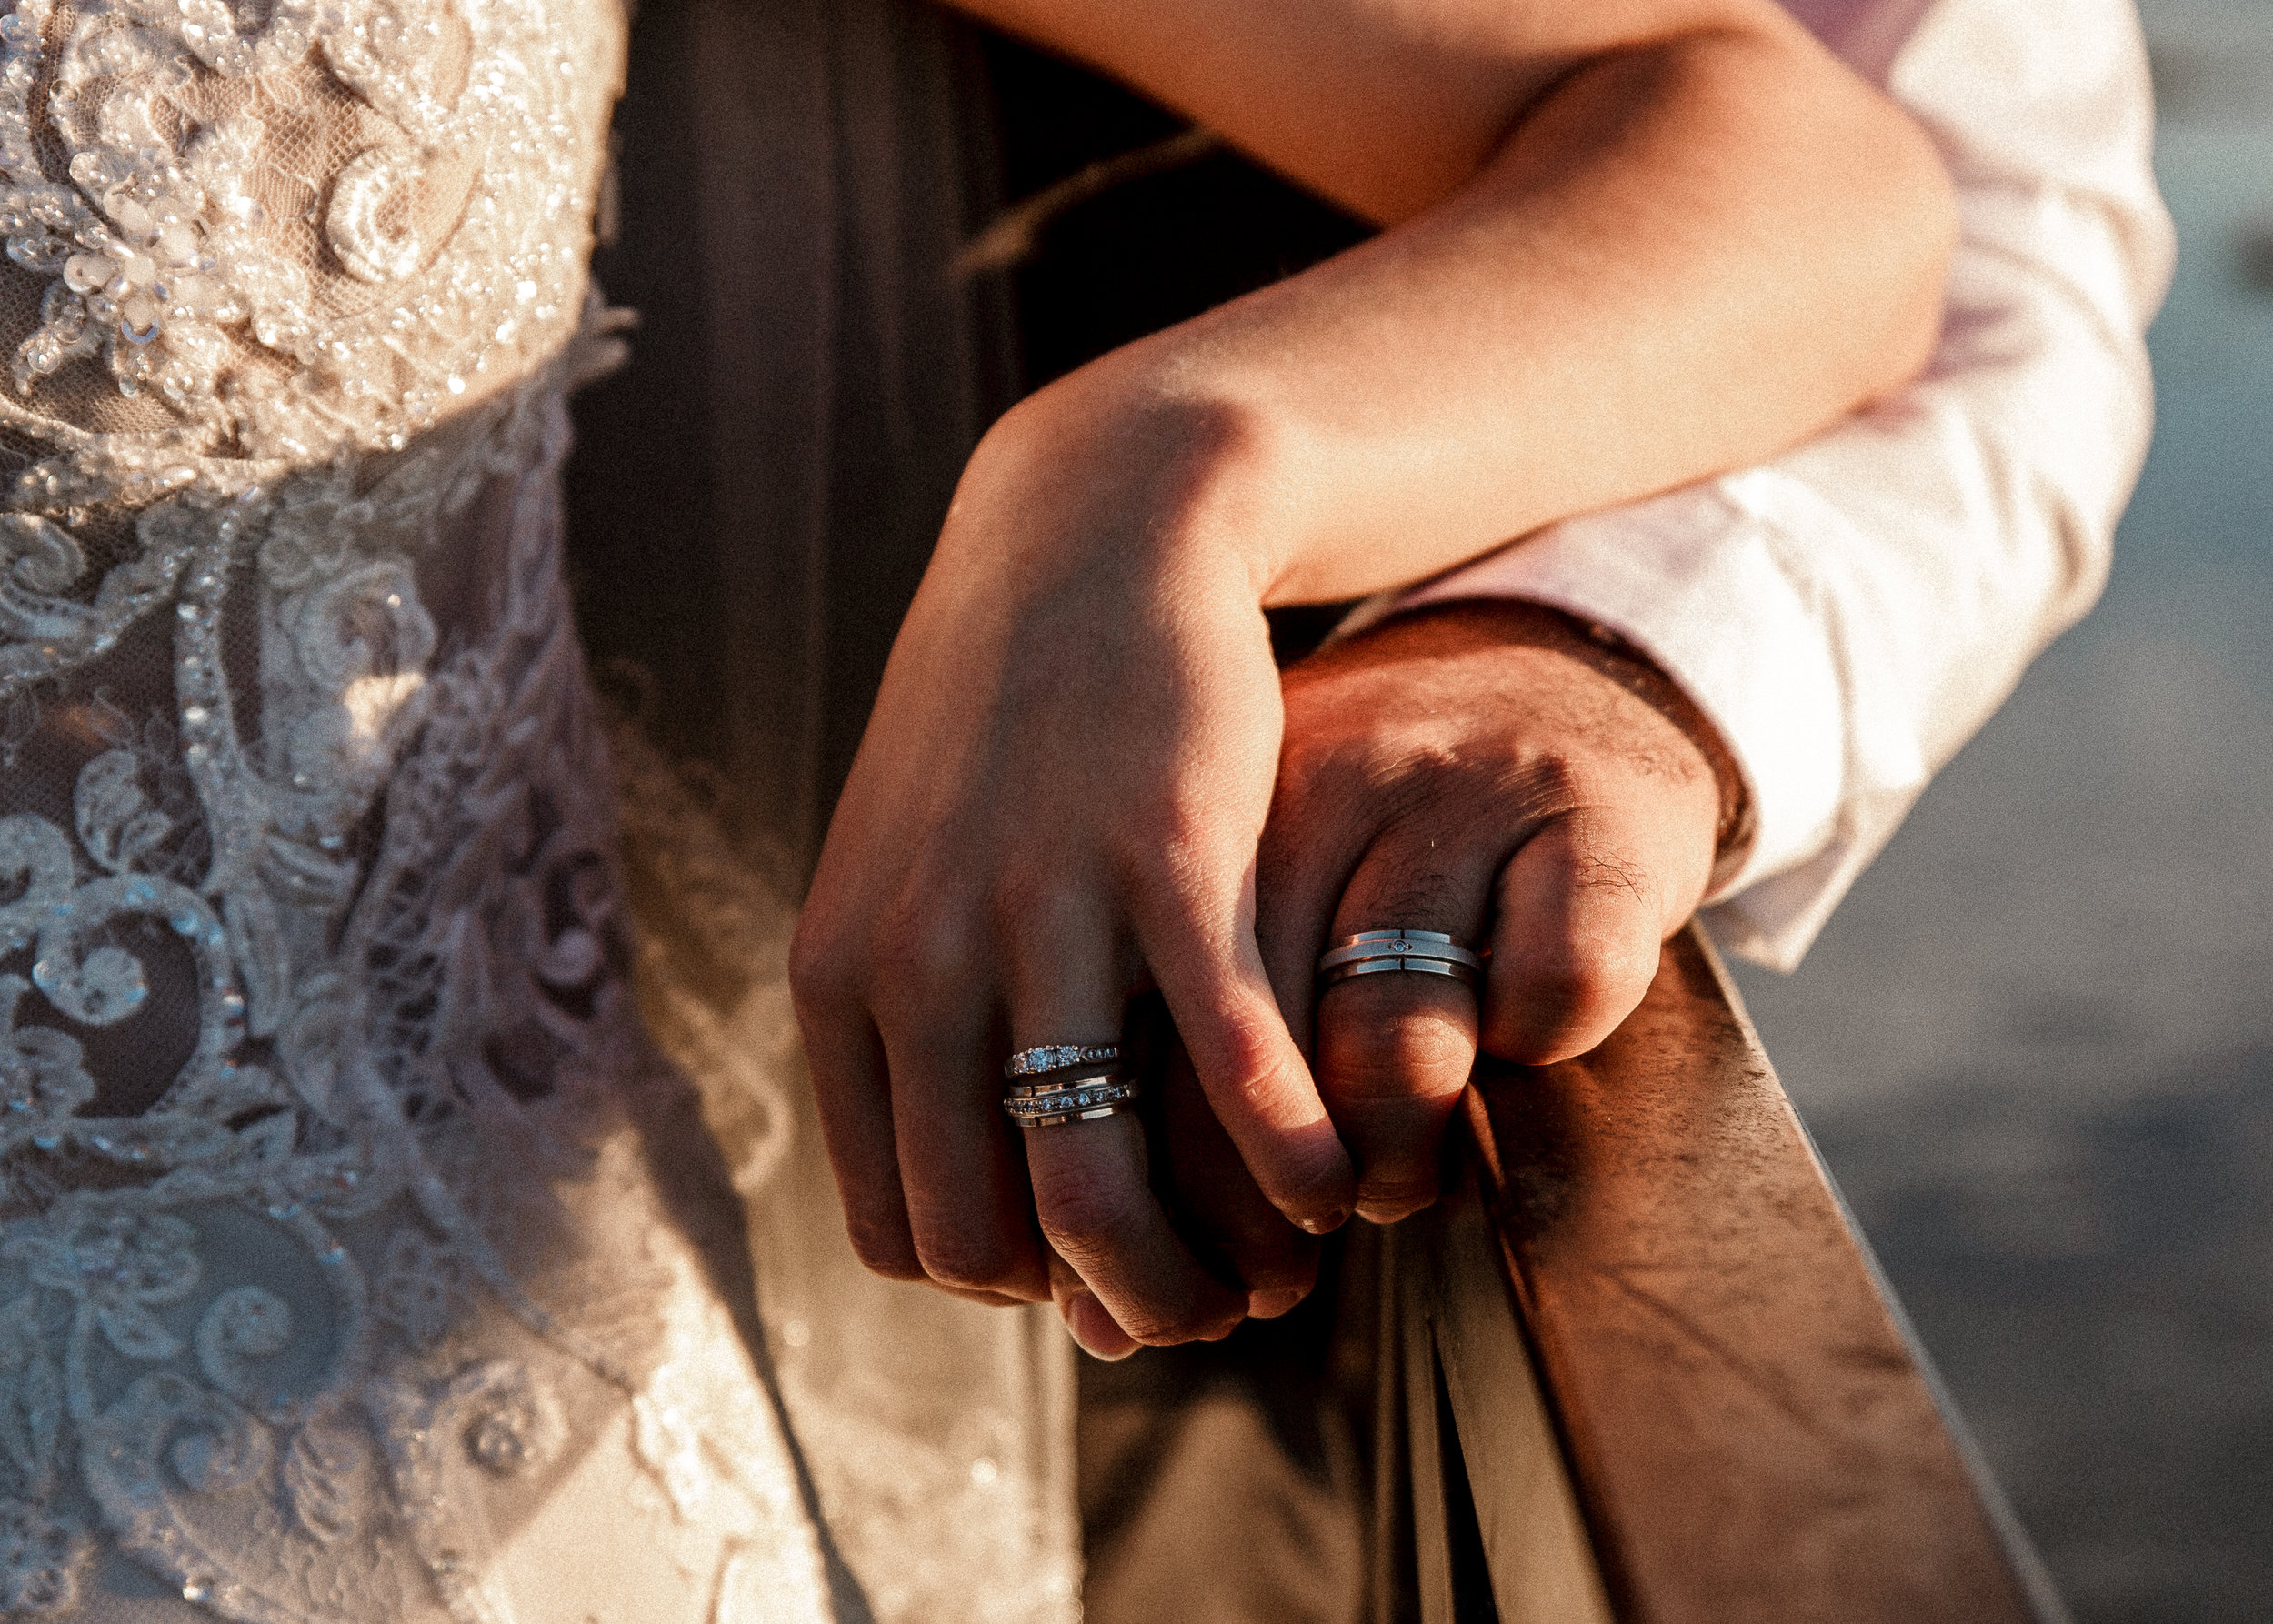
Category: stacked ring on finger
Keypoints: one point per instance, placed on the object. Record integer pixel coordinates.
(1059, 1059)
(1066, 1082)
(1415, 952)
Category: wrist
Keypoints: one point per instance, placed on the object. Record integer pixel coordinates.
(1133, 456)
(1647, 680)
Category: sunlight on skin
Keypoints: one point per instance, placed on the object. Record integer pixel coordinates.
(1060, 793)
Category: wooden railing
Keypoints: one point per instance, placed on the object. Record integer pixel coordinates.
(1642, 1367)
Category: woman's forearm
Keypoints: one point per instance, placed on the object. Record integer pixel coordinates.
(1683, 257)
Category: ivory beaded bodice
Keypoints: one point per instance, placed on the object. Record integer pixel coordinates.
(337, 1279)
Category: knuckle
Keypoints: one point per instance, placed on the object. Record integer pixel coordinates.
(819, 974)
(1613, 872)
(1037, 894)
(1249, 1054)
(1415, 774)
(1084, 1222)
(1233, 1059)
(1594, 977)
(1547, 784)
(1454, 781)
(1568, 993)
(1414, 886)
(1566, 986)
(1322, 776)
(923, 950)
(1178, 841)
(917, 945)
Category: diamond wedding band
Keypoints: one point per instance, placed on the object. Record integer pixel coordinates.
(1413, 952)
(1066, 1082)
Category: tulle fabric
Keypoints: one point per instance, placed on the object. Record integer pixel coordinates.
(772, 472)
(795, 178)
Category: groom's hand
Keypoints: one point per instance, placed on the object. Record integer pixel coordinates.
(1492, 770)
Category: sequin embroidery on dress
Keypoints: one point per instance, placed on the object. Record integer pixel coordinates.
(336, 1279)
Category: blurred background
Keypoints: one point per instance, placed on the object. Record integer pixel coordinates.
(2035, 1045)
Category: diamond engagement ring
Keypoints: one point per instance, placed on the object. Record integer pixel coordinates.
(1052, 1058)
(1415, 952)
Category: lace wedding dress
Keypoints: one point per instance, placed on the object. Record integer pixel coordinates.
(361, 1257)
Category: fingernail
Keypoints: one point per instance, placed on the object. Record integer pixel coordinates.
(1388, 1212)
(1270, 1305)
(1326, 1225)
(1094, 1331)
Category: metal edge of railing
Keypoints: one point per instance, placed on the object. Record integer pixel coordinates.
(1643, 1330)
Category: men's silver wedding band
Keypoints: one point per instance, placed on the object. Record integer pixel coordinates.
(1392, 952)
(1053, 1104)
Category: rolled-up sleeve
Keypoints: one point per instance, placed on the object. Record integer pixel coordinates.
(1849, 615)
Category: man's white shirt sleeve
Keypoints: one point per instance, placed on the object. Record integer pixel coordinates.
(1849, 615)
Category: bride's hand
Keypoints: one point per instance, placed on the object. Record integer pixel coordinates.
(1056, 805)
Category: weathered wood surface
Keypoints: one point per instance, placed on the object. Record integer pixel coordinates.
(1746, 1434)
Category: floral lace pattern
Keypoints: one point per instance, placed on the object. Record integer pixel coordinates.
(328, 1252)
(252, 237)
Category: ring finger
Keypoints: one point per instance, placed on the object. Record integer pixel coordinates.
(1091, 1175)
(1394, 1049)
